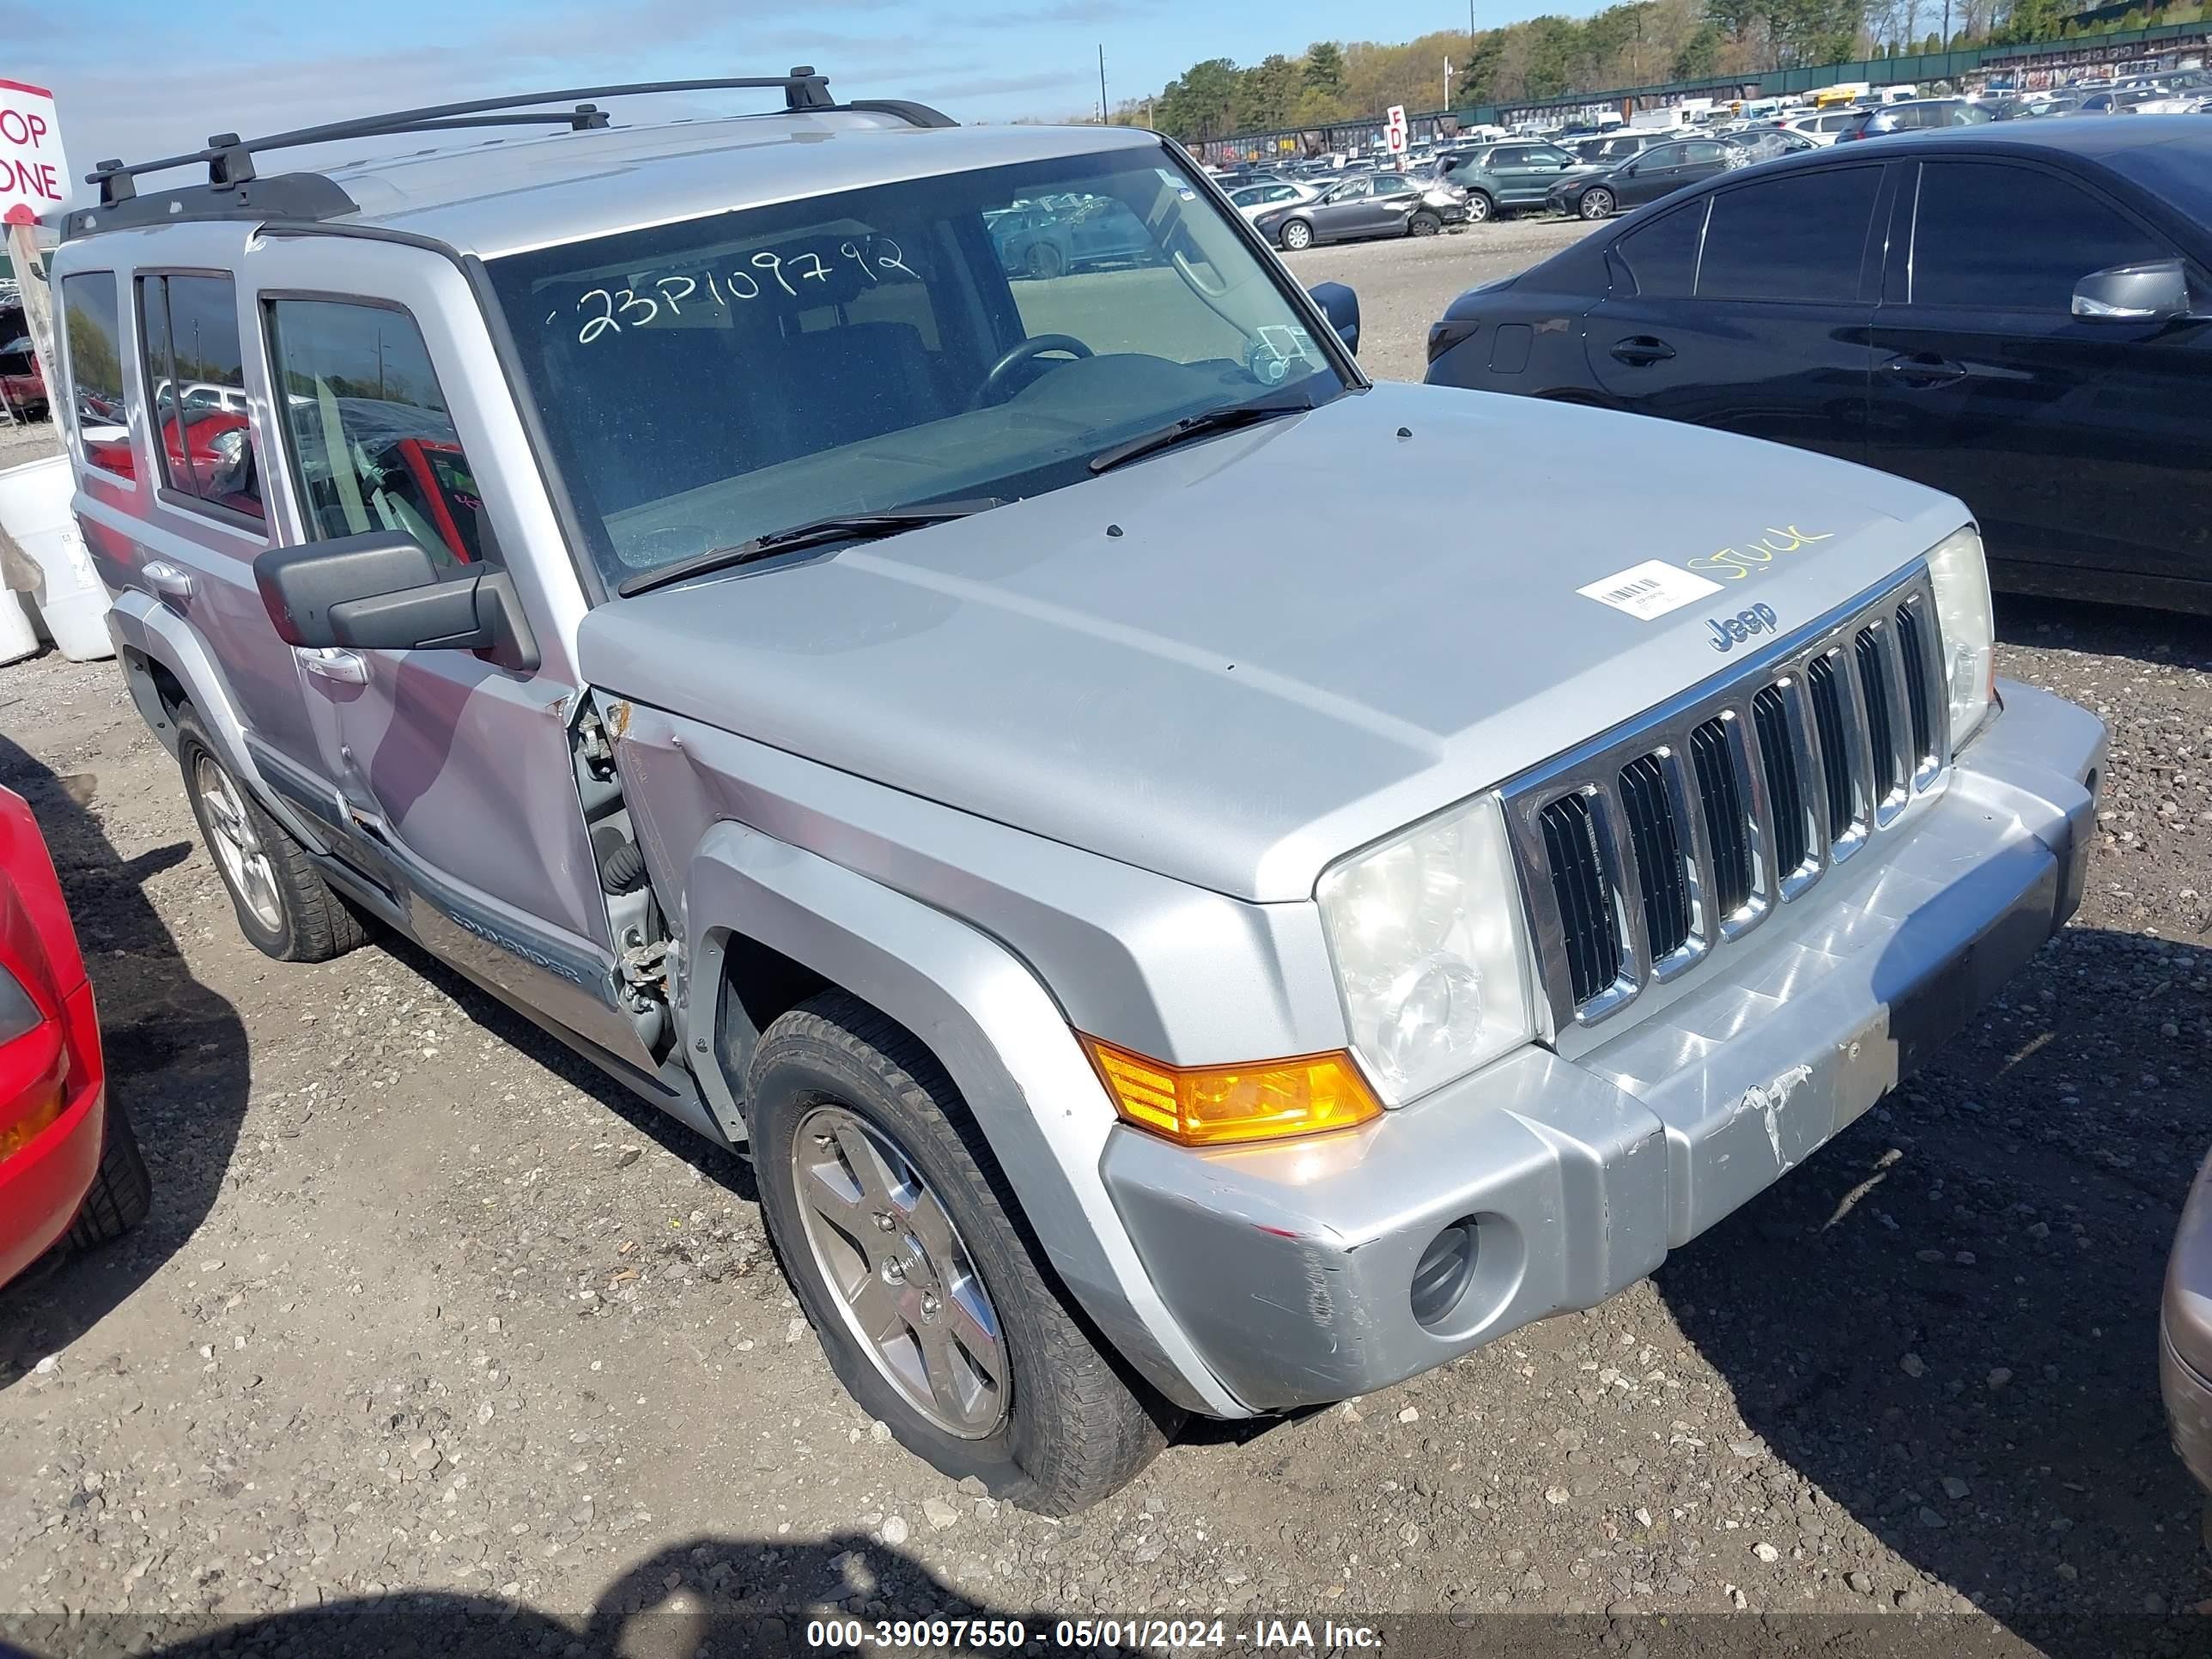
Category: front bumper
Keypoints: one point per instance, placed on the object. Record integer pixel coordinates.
(1291, 1267)
(2184, 1333)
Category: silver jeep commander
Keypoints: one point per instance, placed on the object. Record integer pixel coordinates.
(808, 607)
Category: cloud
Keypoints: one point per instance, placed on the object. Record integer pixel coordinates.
(1060, 13)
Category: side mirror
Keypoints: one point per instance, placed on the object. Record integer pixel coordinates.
(379, 591)
(1341, 306)
(2153, 293)
(1629, 171)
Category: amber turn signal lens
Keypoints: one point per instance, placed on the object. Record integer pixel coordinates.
(1212, 1105)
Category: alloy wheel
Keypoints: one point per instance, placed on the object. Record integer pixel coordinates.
(904, 1282)
(237, 848)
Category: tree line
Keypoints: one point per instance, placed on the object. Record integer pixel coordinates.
(1636, 44)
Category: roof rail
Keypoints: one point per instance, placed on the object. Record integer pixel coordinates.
(230, 167)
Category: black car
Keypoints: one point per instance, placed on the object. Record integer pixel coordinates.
(2019, 313)
(1915, 115)
(1659, 171)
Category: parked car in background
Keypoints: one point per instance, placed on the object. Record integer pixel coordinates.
(1253, 200)
(1660, 171)
(20, 380)
(1070, 231)
(68, 1162)
(1822, 126)
(1614, 147)
(2013, 312)
(1364, 205)
(1766, 143)
(1501, 179)
(1917, 116)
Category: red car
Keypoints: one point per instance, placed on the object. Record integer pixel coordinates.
(210, 445)
(69, 1162)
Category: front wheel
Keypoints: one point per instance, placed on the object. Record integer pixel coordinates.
(1296, 235)
(1044, 261)
(902, 1244)
(1478, 208)
(1424, 224)
(1595, 204)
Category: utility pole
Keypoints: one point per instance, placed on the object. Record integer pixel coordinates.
(1101, 83)
(1448, 76)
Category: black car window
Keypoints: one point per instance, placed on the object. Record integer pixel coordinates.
(1800, 238)
(1699, 151)
(188, 332)
(373, 446)
(2004, 238)
(1662, 256)
(1663, 155)
(1394, 187)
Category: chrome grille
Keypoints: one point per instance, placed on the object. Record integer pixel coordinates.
(1646, 851)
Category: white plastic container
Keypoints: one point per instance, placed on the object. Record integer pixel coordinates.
(18, 639)
(35, 509)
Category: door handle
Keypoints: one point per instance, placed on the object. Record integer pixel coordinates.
(1924, 368)
(331, 663)
(167, 581)
(1641, 350)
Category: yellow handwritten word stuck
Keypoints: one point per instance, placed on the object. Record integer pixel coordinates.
(1733, 564)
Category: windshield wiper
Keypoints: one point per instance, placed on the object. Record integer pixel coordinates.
(838, 527)
(1227, 419)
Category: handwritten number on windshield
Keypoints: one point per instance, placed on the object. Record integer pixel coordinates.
(606, 311)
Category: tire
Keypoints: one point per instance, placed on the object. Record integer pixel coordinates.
(836, 1087)
(1295, 234)
(122, 1192)
(285, 909)
(1044, 261)
(1423, 223)
(1596, 204)
(1480, 207)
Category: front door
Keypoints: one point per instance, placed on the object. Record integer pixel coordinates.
(454, 773)
(1347, 210)
(1749, 309)
(2079, 444)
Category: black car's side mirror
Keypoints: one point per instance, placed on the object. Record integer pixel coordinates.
(379, 591)
(2157, 292)
(1628, 170)
(1341, 306)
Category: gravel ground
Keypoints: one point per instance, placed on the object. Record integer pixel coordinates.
(431, 1322)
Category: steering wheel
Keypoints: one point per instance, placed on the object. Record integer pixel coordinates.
(993, 389)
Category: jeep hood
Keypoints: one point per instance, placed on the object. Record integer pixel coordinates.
(1303, 635)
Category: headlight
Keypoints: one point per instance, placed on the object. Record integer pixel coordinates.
(1967, 626)
(1431, 956)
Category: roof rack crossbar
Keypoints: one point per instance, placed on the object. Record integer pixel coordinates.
(230, 159)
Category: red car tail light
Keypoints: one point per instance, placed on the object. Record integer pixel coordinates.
(34, 1068)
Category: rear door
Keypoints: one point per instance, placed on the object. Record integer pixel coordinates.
(2079, 444)
(171, 497)
(1525, 172)
(1749, 309)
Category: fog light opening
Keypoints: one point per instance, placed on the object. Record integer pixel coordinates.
(1445, 1270)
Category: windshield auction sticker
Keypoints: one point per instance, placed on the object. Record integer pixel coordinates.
(1650, 589)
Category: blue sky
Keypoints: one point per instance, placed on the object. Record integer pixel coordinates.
(136, 78)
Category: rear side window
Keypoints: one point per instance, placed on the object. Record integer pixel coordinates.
(196, 391)
(2006, 238)
(373, 445)
(1801, 238)
(92, 329)
(1662, 256)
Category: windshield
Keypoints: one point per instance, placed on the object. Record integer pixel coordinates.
(971, 335)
